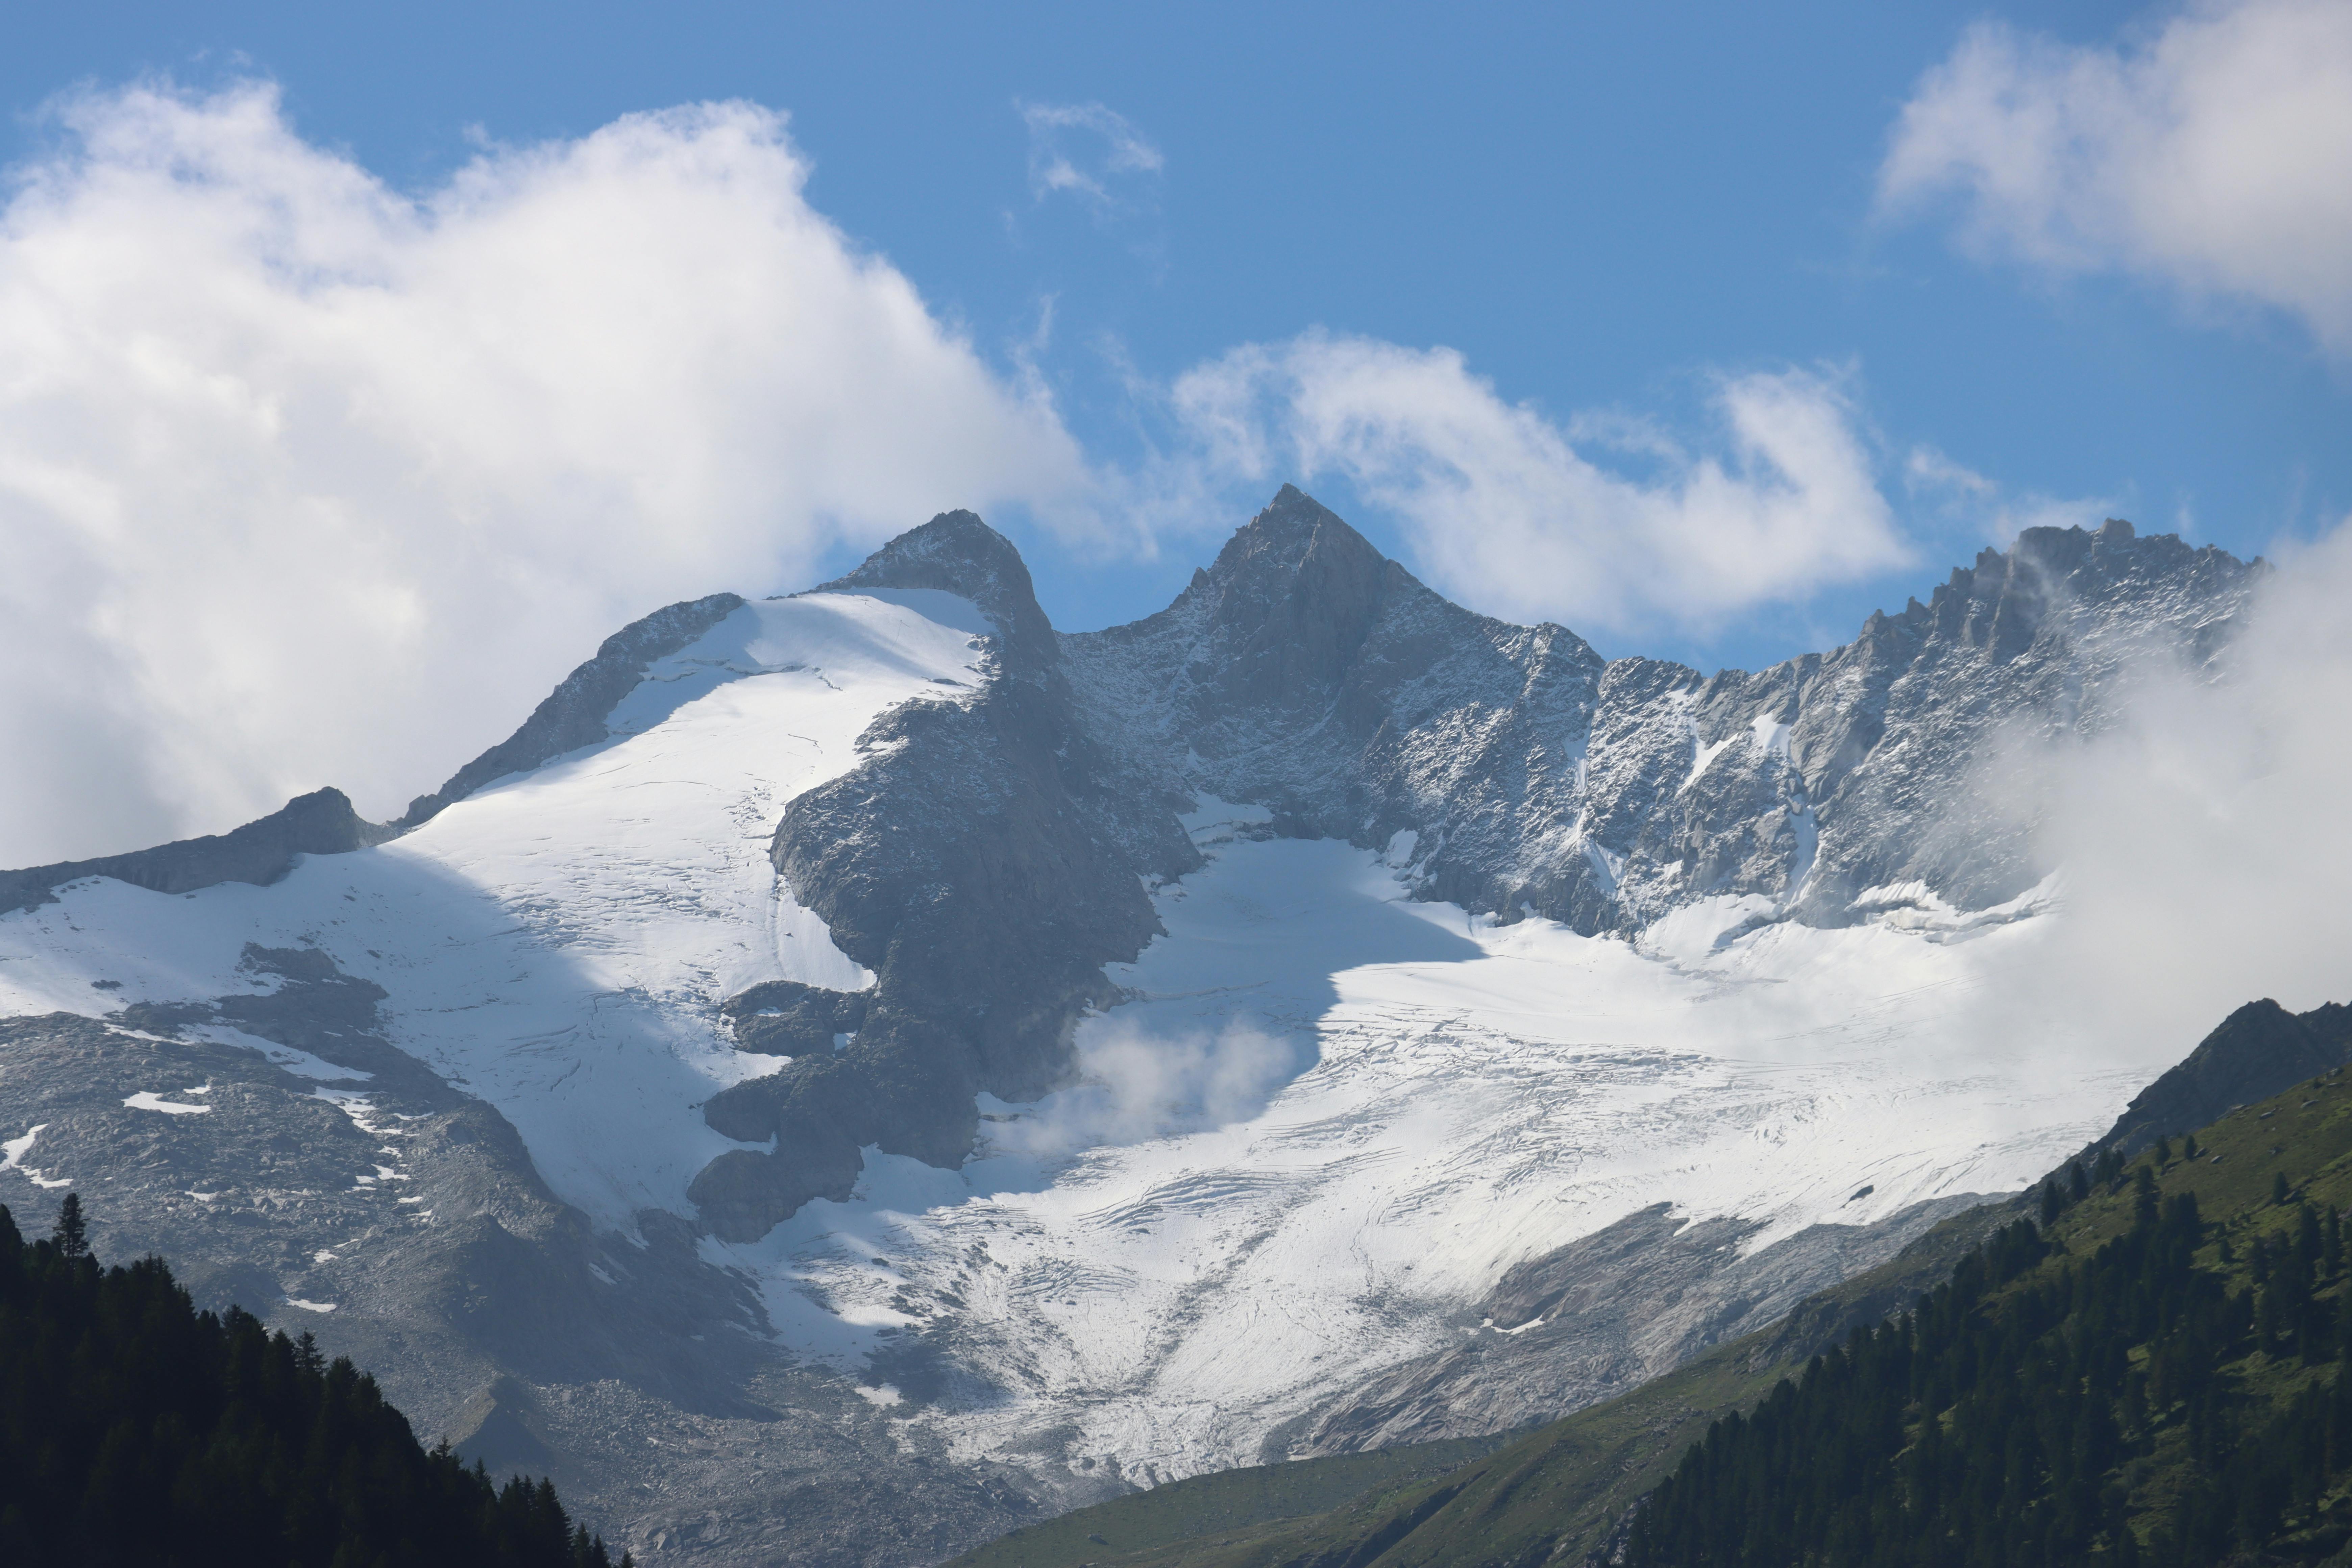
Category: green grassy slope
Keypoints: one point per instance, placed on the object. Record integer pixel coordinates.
(1564, 1490)
(1223, 1506)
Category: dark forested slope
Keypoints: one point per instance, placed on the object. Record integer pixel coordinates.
(2156, 1372)
(135, 1430)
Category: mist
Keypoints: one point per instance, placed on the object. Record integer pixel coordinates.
(2203, 841)
(1135, 1085)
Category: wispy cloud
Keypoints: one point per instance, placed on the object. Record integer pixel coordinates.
(1974, 507)
(1086, 151)
(1134, 1084)
(2213, 152)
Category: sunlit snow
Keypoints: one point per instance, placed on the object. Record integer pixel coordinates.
(1327, 1120)
(558, 943)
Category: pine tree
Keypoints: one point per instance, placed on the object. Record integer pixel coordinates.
(72, 1232)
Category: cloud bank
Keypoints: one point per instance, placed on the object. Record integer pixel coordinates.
(2204, 847)
(1504, 511)
(2213, 153)
(305, 480)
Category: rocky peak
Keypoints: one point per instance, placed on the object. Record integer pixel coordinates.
(1289, 602)
(956, 552)
(2004, 602)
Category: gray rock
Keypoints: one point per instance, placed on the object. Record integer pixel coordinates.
(260, 852)
(1304, 673)
(984, 871)
(636, 1374)
(2259, 1051)
(1598, 1317)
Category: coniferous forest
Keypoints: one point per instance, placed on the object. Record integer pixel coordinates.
(2153, 1385)
(136, 1430)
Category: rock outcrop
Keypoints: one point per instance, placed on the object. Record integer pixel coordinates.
(262, 851)
(984, 865)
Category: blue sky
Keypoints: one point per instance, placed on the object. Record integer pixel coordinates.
(1621, 221)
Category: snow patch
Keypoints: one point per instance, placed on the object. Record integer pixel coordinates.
(148, 1099)
(311, 1306)
(301, 1064)
(15, 1149)
(884, 1396)
(1693, 933)
(939, 606)
(1702, 756)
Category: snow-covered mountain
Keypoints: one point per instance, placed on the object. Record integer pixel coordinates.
(860, 1068)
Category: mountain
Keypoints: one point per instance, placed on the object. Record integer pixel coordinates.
(861, 1069)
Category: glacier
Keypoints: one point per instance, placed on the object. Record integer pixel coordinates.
(1244, 995)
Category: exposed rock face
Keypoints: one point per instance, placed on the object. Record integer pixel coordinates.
(981, 866)
(1597, 1318)
(573, 715)
(403, 1223)
(1305, 673)
(263, 851)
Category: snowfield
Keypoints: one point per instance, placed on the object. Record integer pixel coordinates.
(1327, 1121)
(1465, 1095)
(558, 943)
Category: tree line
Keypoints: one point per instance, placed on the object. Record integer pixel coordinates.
(2133, 1407)
(137, 1430)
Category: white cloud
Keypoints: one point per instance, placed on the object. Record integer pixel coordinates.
(2204, 848)
(1081, 149)
(306, 480)
(2214, 152)
(1505, 513)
